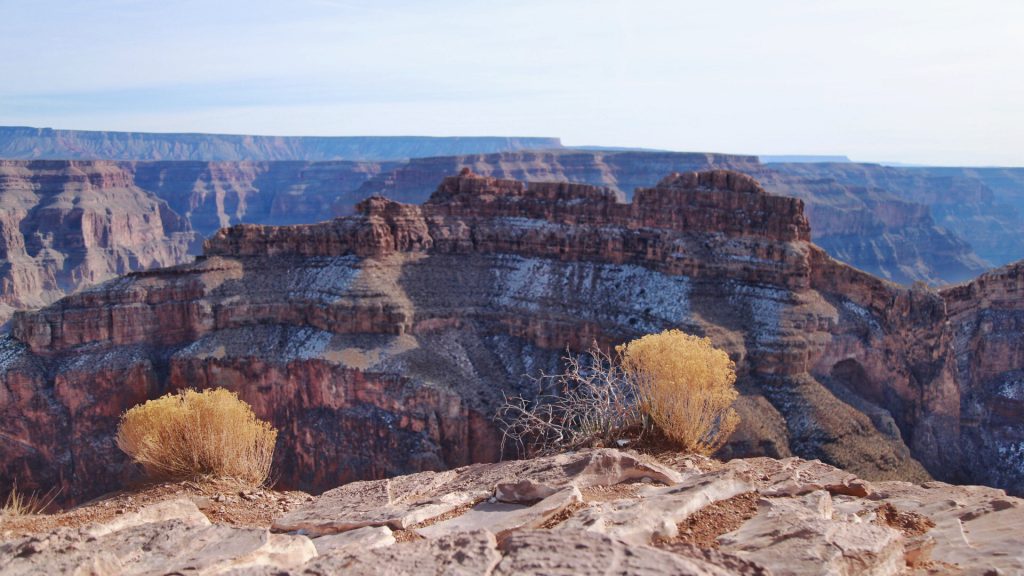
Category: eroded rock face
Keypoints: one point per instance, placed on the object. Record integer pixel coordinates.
(982, 206)
(381, 343)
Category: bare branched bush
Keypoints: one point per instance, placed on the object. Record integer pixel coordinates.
(662, 390)
(19, 503)
(591, 404)
(685, 385)
(193, 434)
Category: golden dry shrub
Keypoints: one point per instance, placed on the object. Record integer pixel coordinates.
(685, 386)
(192, 434)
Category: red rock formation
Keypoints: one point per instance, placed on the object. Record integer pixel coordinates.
(379, 343)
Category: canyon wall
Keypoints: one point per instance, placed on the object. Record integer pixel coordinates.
(66, 225)
(71, 224)
(381, 343)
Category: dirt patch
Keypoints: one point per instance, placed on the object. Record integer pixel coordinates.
(683, 462)
(613, 492)
(223, 502)
(563, 515)
(909, 523)
(454, 513)
(406, 536)
(703, 528)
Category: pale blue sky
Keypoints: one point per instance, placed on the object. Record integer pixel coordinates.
(937, 81)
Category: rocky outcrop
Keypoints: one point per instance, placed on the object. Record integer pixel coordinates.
(608, 512)
(66, 225)
(46, 143)
(381, 343)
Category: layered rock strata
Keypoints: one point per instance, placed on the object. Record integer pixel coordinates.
(381, 343)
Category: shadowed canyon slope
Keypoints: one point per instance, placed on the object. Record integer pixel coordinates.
(380, 343)
(875, 218)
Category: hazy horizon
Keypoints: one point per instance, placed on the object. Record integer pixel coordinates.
(920, 82)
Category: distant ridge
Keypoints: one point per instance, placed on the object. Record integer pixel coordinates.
(804, 159)
(27, 143)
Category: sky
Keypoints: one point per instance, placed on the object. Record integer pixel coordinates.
(917, 81)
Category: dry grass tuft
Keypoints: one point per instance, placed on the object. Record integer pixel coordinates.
(686, 386)
(20, 504)
(190, 435)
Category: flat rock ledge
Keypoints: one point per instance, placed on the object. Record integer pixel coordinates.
(599, 511)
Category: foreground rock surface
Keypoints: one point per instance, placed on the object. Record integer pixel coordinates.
(807, 521)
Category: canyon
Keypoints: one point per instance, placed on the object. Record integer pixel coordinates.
(380, 343)
(933, 225)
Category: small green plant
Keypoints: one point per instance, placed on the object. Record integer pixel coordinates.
(191, 434)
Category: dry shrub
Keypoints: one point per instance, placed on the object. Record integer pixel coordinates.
(590, 404)
(194, 434)
(685, 385)
(20, 504)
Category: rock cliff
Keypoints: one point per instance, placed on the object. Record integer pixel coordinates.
(380, 343)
